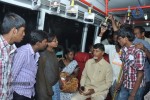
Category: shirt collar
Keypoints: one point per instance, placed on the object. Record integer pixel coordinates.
(4, 44)
(100, 62)
(36, 55)
(31, 49)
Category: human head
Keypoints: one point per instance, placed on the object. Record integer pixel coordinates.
(125, 35)
(38, 38)
(91, 48)
(139, 32)
(118, 47)
(69, 54)
(52, 41)
(14, 25)
(98, 51)
(115, 35)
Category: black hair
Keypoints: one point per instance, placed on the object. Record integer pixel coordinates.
(126, 25)
(68, 50)
(140, 28)
(115, 33)
(37, 36)
(126, 32)
(51, 37)
(99, 46)
(118, 45)
(10, 21)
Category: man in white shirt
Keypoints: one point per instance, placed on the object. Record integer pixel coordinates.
(96, 77)
(114, 57)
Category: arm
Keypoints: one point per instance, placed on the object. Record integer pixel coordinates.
(106, 86)
(98, 40)
(141, 46)
(115, 28)
(19, 60)
(147, 52)
(76, 71)
(84, 75)
(140, 75)
(140, 62)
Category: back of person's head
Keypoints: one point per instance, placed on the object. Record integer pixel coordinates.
(51, 37)
(37, 36)
(99, 46)
(126, 32)
(11, 20)
(141, 29)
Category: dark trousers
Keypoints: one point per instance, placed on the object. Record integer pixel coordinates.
(16, 96)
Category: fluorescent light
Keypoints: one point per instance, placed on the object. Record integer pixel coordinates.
(145, 16)
(147, 24)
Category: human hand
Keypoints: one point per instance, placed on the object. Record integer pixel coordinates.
(110, 16)
(103, 30)
(140, 46)
(81, 89)
(90, 92)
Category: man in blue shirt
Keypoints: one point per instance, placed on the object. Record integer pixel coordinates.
(145, 46)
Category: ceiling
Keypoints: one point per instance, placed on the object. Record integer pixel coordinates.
(125, 3)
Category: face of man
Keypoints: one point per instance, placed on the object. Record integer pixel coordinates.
(42, 45)
(97, 53)
(70, 56)
(18, 34)
(122, 41)
(138, 34)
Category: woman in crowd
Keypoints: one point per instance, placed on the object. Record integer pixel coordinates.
(68, 65)
(47, 85)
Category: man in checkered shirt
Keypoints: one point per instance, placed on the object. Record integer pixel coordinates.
(132, 84)
(13, 27)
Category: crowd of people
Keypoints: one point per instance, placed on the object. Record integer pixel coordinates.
(33, 72)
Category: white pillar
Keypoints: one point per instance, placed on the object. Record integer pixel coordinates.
(41, 20)
(96, 33)
(84, 36)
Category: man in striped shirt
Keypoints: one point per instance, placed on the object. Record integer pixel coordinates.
(133, 67)
(25, 66)
(13, 27)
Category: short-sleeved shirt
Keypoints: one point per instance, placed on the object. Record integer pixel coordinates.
(6, 57)
(134, 60)
(147, 63)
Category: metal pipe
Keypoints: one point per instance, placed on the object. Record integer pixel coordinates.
(142, 21)
(41, 20)
(95, 33)
(84, 36)
(123, 9)
(95, 8)
(106, 7)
